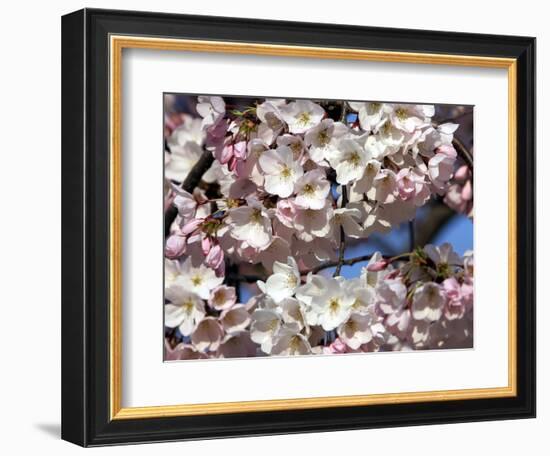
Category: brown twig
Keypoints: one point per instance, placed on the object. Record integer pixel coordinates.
(342, 247)
(464, 153)
(330, 264)
(327, 264)
(191, 181)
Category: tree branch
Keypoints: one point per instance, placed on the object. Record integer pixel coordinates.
(191, 181)
(330, 264)
(251, 278)
(195, 175)
(342, 248)
(464, 153)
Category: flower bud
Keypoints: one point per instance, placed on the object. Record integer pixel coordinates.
(191, 226)
(377, 266)
(206, 244)
(175, 246)
(215, 257)
(467, 191)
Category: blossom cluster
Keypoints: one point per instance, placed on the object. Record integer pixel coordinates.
(417, 301)
(290, 182)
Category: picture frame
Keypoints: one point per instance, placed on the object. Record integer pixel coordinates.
(92, 171)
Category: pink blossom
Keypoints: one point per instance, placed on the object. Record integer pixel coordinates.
(207, 335)
(338, 346)
(191, 226)
(215, 257)
(206, 244)
(222, 297)
(411, 186)
(455, 307)
(175, 246)
(447, 149)
(286, 212)
(452, 289)
(181, 352)
(377, 266)
(398, 322)
(391, 294)
(231, 152)
(184, 202)
(467, 291)
(440, 167)
(462, 173)
(237, 346)
(467, 191)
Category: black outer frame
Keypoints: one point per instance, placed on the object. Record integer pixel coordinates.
(85, 227)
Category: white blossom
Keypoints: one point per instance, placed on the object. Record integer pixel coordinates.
(281, 171)
(428, 302)
(349, 159)
(333, 305)
(251, 224)
(312, 190)
(184, 311)
(264, 327)
(290, 342)
(210, 109)
(284, 280)
(199, 280)
(301, 115)
(322, 139)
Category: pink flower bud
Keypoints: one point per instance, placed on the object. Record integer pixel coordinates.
(462, 173)
(377, 266)
(206, 244)
(239, 150)
(191, 226)
(338, 346)
(215, 257)
(227, 154)
(175, 246)
(217, 130)
(467, 191)
(447, 150)
(451, 287)
(232, 163)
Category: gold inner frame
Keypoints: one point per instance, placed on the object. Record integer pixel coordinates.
(117, 44)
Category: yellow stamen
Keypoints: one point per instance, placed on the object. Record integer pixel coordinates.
(354, 159)
(401, 113)
(334, 305)
(304, 118)
(286, 172)
(308, 189)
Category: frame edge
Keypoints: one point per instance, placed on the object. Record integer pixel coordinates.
(73, 304)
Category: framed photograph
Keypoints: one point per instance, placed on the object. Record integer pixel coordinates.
(279, 227)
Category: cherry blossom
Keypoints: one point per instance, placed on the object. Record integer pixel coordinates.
(281, 171)
(284, 280)
(301, 115)
(428, 302)
(199, 280)
(251, 224)
(256, 251)
(312, 190)
(349, 160)
(184, 311)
